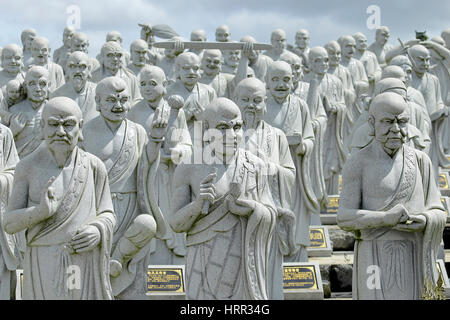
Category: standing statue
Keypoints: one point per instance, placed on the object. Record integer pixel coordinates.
(278, 41)
(380, 47)
(27, 36)
(300, 87)
(62, 51)
(170, 248)
(62, 200)
(138, 56)
(12, 65)
(390, 200)
(255, 59)
(368, 59)
(302, 49)
(227, 212)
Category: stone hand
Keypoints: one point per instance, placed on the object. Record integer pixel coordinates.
(176, 154)
(301, 149)
(414, 223)
(207, 191)
(247, 49)
(178, 46)
(159, 125)
(328, 107)
(86, 239)
(240, 207)
(18, 122)
(48, 204)
(396, 215)
(175, 102)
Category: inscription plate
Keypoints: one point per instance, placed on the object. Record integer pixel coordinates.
(165, 279)
(299, 277)
(317, 238)
(443, 181)
(333, 205)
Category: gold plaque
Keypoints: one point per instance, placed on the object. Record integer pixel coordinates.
(333, 204)
(299, 277)
(317, 238)
(443, 182)
(165, 280)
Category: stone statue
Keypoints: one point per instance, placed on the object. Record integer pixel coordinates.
(331, 93)
(167, 60)
(227, 212)
(111, 66)
(211, 65)
(428, 85)
(128, 154)
(302, 48)
(271, 145)
(27, 36)
(230, 60)
(368, 59)
(196, 95)
(278, 41)
(10, 255)
(62, 200)
(415, 138)
(117, 37)
(26, 115)
(12, 65)
(62, 51)
(198, 35)
(14, 93)
(78, 86)
(223, 33)
(380, 46)
(390, 200)
(138, 56)
(300, 87)
(255, 59)
(79, 42)
(40, 50)
(291, 114)
(171, 247)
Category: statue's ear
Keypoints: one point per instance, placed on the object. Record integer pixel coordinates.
(371, 121)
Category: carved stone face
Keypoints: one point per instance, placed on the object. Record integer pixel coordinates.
(198, 35)
(189, 70)
(112, 58)
(231, 58)
(280, 82)
(61, 128)
(114, 105)
(408, 73)
(251, 102)
(421, 61)
(334, 55)
(29, 38)
(12, 60)
(13, 91)
(67, 36)
(78, 69)
(382, 36)
(41, 52)
(302, 39)
(152, 85)
(223, 34)
(361, 43)
(348, 48)
(211, 62)
(138, 54)
(319, 63)
(37, 88)
(79, 44)
(278, 41)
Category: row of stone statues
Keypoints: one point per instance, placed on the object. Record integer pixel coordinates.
(220, 159)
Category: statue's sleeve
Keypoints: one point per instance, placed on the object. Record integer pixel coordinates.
(308, 132)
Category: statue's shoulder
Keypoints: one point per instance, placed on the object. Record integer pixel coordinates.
(93, 123)
(22, 106)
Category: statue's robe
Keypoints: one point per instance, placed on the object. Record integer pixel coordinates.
(126, 171)
(5, 77)
(228, 255)
(86, 200)
(301, 89)
(136, 70)
(334, 152)
(406, 260)
(271, 145)
(170, 248)
(372, 67)
(293, 116)
(29, 138)
(359, 76)
(10, 257)
(59, 55)
(260, 66)
(221, 83)
(199, 97)
(55, 75)
(85, 98)
(380, 52)
(123, 73)
(429, 86)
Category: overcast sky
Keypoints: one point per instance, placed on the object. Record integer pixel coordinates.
(326, 20)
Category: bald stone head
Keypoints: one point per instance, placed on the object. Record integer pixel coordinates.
(187, 67)
(12, 59)
(382, 35)
(111, 54)
(393, 72)
(78, 68)
(113, 99)
(318, 60)
(61, 124)
(361, 41)
(67, 35)
(211, 63)
(40, 50)
(279, 79)
(114, 36)
(37, 84)
(348, 46)
(152, 83)
(223, 33)
(420, 57)
(138, 52)
(296, 65)
(334, 52)
(278, 40)
(27, 36)
(198, 35)
(391, 84)
(79, 42)
(250, 96)
(302, 38)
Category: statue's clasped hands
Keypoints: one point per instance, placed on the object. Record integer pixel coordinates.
(403, 221)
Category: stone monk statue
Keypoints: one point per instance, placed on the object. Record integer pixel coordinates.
(62, 199)
(390, 200)
(227, 212)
